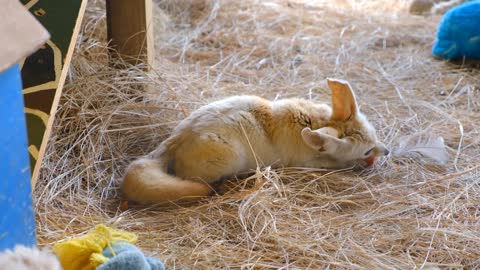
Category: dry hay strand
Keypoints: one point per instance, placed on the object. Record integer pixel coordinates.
(403, 213)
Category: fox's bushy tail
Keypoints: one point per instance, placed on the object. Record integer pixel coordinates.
(146, 181)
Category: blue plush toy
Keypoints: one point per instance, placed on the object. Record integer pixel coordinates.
(459, 33)
(128, 257)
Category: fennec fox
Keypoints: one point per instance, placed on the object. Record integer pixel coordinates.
(239, 133)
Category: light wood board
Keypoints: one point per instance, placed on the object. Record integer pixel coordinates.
(44, 72)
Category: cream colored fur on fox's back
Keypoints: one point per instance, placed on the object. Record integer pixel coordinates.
(239, 133)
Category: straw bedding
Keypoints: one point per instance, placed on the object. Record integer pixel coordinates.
(404, 213)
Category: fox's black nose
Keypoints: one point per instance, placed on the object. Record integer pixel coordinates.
(386, 152)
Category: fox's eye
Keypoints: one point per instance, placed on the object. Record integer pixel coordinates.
(368, 152)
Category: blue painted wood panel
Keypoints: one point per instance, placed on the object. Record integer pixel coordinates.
(17, 221)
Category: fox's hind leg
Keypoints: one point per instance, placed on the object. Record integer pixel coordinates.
(208, 158)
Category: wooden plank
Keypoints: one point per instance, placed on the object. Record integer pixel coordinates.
(21, 33)
(45, 71)
(17, 221)
(130, 30)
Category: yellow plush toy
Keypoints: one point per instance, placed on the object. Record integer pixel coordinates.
(85, 253)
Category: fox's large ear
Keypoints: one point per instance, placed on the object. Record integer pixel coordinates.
(344, 105)
(323, 139)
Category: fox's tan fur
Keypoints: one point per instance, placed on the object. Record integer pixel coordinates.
(239, 133)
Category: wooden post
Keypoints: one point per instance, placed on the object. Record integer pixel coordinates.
(130, 30)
